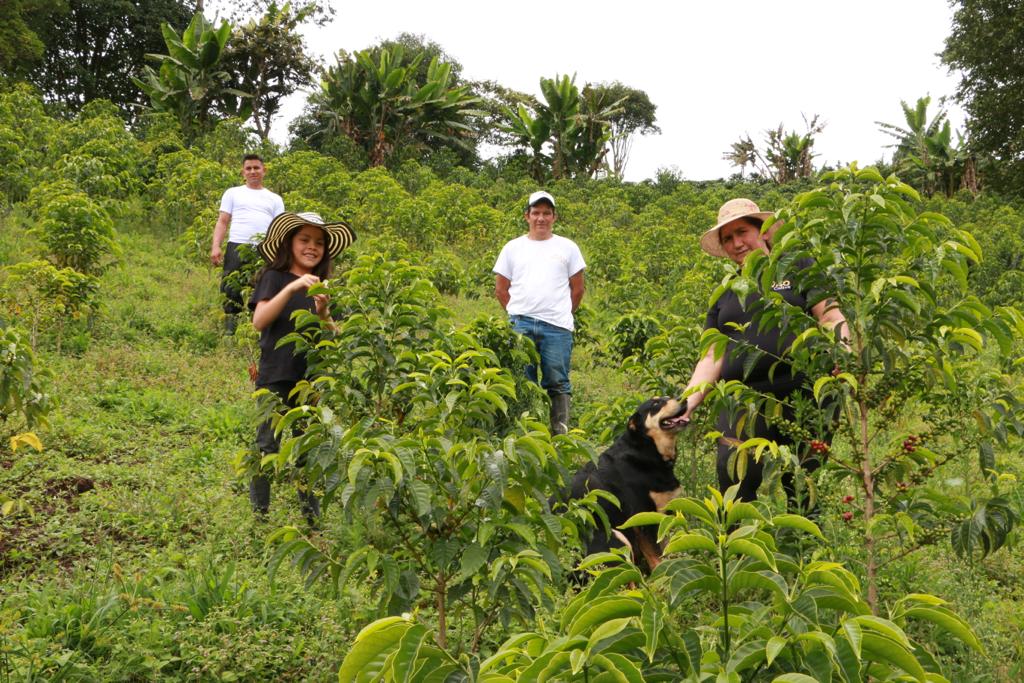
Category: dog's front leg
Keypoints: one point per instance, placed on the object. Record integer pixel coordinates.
(663, 498)
(650, 550)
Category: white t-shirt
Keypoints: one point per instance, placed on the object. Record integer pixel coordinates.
(539, 271)
(251, 212)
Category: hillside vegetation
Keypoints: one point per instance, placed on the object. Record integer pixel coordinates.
(128, 550)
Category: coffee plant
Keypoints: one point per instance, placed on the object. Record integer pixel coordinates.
(98, 155)
(408, 426)
(182, 186)
(75, 230)
(23, 394)
(630, 334)
(25, 136)
(732, 602)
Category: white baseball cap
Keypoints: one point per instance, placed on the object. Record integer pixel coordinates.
(540, 196)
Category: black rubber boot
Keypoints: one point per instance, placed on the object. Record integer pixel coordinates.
(310, 506)
(230, 324)
(559, 413)
(259, 494)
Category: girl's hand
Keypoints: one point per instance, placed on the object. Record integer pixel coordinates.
(303, 282)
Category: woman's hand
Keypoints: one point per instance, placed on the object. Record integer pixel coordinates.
(322, 309)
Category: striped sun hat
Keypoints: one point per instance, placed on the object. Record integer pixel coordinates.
(339, 234)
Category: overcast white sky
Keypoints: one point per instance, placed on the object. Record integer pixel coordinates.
(716, 70)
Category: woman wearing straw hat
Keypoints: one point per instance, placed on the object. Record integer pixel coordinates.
(298, 249)
(739, 232)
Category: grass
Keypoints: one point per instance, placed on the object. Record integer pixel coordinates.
(134, 497)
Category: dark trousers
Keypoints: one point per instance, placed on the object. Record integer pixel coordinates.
(268, 442)
(754, 474)
(233, 297)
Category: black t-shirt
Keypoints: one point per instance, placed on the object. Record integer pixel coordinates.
(279, 364)
(771, 339)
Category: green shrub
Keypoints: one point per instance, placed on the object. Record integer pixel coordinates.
(98, 155)
(314, 176)
(76, 231)
(409, 426)
(26, 135)
(630, 333)
(23, 396)
(183, 186)
(45, 297)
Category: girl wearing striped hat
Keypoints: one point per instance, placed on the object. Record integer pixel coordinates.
(298, 249)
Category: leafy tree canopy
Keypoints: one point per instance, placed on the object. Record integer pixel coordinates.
(268, 59)
(20, 47)
(985, 46)
(632, 113)
(94, 47)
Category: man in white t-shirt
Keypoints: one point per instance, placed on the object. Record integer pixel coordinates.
(539, 282)
(247, 209)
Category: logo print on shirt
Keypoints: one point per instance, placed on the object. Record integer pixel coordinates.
(782, 286)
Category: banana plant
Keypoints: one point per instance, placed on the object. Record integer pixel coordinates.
(189, 80)
(924, 152)
(576, 134)
(382, 107)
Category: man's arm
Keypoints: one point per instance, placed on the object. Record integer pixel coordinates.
(220, 231)
(501, 285)
(576, 289)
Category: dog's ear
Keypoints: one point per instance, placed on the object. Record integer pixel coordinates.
(634, 423)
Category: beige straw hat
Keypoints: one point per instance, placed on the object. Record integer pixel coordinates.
(732, 210)
(339, 234)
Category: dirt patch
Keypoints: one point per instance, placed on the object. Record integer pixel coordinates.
(69, 487)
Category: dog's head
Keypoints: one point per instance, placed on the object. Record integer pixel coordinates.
(660, 420)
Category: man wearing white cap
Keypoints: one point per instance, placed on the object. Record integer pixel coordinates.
(539, 282)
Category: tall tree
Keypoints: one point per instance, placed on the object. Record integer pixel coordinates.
(635, 115)
(267, 59)
(20, 47)
(94, 47)
(986, 46)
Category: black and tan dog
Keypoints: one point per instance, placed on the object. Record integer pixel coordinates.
(638, 470)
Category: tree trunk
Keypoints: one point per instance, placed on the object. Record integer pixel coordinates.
(442, 621)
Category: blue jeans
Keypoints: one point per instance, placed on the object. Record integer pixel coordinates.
(554, 345)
